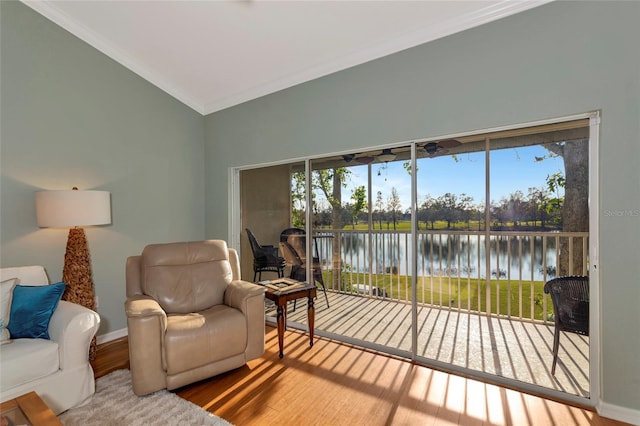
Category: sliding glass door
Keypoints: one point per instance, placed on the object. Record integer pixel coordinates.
(438, 250)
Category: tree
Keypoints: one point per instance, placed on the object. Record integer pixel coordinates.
(428, 212)
(379, 207)
(575, 209)
(359, 197)
(478, 212)
(555, 202)
(465, 205)
(330, 182)
(393, 206)
(538, 199)
(348, 216)
(449, 207)
(499, 212)
(298, 199)
(516, 208)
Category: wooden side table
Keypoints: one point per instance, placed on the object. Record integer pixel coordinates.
(280, 298)
(27, 408)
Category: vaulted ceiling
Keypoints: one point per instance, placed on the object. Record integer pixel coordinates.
(215, 54)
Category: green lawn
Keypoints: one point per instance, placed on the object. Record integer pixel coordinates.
(461, 292)
(405, 225)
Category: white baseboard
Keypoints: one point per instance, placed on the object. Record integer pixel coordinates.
(104, 338)
(616, 412)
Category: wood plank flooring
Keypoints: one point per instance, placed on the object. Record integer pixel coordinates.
(504, 347)
(337, 384)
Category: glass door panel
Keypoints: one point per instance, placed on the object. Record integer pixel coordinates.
(539, 231)
(391, 247)
(451, 223)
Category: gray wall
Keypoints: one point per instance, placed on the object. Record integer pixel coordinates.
(265, 208)
(559, 59)
(73, 117)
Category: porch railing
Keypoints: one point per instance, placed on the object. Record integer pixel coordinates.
(496, 273)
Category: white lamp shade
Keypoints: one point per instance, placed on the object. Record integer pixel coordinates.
(73, 208)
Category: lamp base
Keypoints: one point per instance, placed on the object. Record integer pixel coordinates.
(77, 275)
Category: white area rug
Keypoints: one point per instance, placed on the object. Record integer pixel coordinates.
(115, 404)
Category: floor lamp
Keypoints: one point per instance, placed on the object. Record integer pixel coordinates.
(74, 209)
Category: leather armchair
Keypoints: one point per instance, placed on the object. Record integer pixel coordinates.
(189, 315)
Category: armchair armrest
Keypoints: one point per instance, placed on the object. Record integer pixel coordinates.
(143, 306)
(73, 326)
(146, 324)
(239, 292)
(249, 298)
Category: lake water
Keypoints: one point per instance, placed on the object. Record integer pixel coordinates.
(515, 256)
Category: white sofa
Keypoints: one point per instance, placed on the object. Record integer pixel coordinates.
(58, 370)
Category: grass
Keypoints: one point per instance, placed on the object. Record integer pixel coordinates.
(461, 293)
(405, 225)
(438, 225)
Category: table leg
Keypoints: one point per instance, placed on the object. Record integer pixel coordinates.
(311, 317)
(280, 319)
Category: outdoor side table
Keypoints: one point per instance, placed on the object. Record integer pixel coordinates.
(280, 298)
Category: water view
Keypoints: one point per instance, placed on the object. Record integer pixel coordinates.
(461, 254)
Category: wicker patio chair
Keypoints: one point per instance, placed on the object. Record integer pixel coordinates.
(299, 269)
(265, 258)
(570, 297)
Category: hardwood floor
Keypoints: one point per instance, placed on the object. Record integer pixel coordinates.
(337, 384)
(111, 356)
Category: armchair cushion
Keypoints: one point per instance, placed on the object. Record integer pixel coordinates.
(25, 360)
(183, 278)
(6, 293)
(32, 308)
(197, 339)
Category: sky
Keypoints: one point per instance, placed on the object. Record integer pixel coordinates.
(511, 170)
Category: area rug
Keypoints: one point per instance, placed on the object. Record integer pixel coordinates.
(115, 404)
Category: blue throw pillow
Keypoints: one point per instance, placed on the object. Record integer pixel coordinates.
(32, 308)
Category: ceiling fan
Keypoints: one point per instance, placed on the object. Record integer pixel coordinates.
(386, 155)
(353, 157)
(440, 147)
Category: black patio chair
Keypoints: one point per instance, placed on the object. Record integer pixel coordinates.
(265, 258)
(570, 297)
(299, 269)
(297, 238)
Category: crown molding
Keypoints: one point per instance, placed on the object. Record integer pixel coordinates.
(411, 39)
(47, 9)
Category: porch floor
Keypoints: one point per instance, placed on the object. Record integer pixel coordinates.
(509, 348)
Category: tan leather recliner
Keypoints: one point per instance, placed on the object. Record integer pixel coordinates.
(189, 314)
